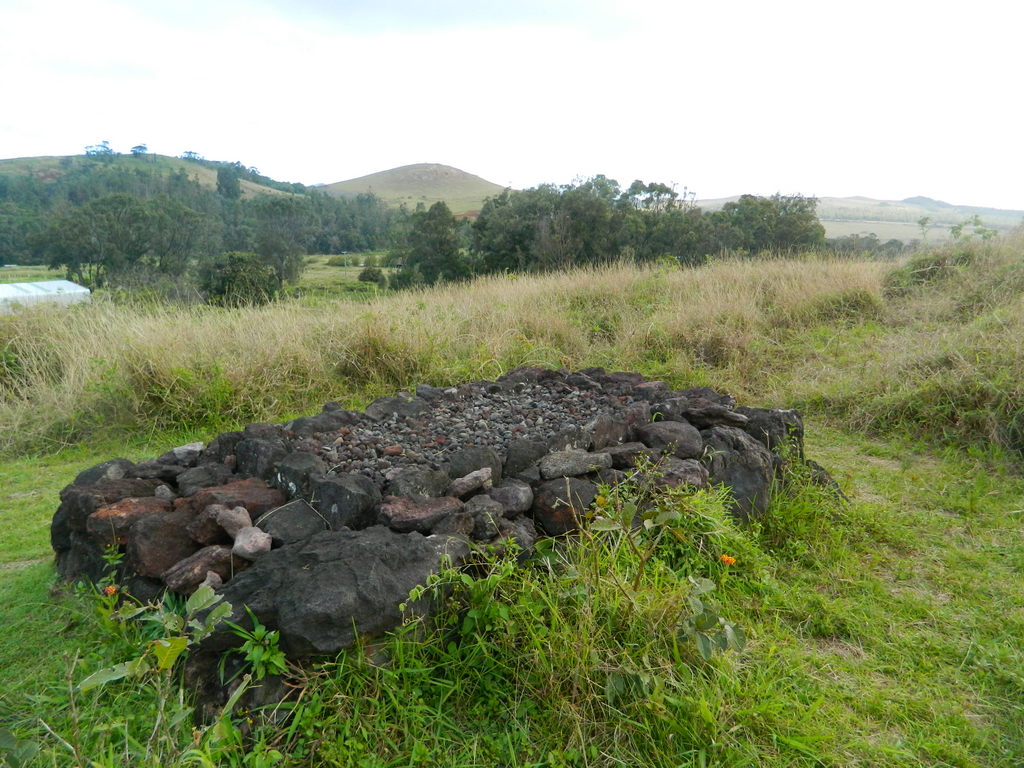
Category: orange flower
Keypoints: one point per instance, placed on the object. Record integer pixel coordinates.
(110, 589)
(728, 559)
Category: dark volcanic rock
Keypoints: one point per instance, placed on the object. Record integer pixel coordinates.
(522, 454)
(681, 472)
(321, 593)
(386, 407)
(745, 465)
(572, 463)
(327, 421)
(467, 484)
(626, 455)
(780, 431)
(487, 514)
(183, 455)
(220, 448)
(292, 522)
(417, 482)
(346, 501)
(699, 411)
(115, 469)
(295, 472)
(204, 476)
(260, 457)
(154, 470)
(466, 460)
(559, 504)
(514, 495)
(672, 437)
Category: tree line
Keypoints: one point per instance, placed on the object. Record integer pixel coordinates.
(597, 222)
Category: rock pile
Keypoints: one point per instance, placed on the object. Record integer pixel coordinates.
(322, 525)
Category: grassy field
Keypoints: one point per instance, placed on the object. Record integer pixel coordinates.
(886, 632)
(29, 274)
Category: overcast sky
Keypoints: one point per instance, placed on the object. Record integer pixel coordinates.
(882, 99)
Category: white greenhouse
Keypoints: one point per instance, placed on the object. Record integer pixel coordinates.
(61, 292)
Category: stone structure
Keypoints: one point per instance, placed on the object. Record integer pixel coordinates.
(322, 525)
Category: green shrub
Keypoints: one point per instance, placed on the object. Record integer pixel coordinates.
(237, 279)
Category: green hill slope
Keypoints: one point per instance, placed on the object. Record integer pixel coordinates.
(425, 183)
(896, 218)
(54, 167)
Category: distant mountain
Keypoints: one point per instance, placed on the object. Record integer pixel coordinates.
(425, 183)
(896, 218)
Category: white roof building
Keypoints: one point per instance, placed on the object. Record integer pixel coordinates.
(62, 292)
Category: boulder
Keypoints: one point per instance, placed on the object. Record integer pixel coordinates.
(322, 593)
(559, 504)
(191, 481)
(676, 438)
(417, 482)
(292, 522)
(156, 543)
(606, 431)
(251, 493)
(405, 514)
(114, 469)
(330, 420)
(675, 473)
(745, 465)
(523, 454)
(780, 431)
(472, 458)
(346, 501)
(154, 470)
(626, 455)
(387, 407)
(184, 455)
(474, 481)
(487, 514)
(220, 448)
(187, 574)
(514, 495)
(699, 411)
(296, 471)
(110, 524)
(260, 457)
(572, 463)
(205, 528)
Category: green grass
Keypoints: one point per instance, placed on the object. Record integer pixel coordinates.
(885, 632)
(28, 274)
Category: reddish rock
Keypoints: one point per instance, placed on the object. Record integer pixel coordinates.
(156, 543)
(234, 520)
(111, 523)
(251, 493)
(205, 529)
(405, 515)
(393, 450)
(187, 574)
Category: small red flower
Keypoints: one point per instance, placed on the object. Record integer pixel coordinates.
(728, 559)
(110, 589)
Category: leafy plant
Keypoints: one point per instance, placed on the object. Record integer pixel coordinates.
(179, 632)
(261, 649)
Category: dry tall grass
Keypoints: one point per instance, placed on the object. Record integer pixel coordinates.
(801, 331)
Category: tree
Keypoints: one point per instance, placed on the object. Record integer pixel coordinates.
(284, 225)
(431, 248)
(373, 275)
(755, 224)
(139, 149)
(235, 278)
(228, 184)
(110, 233)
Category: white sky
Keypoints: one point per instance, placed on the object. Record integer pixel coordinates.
(882, 99)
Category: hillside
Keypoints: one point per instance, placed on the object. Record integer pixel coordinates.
(54, 167)
(425, 183)
(896, 218)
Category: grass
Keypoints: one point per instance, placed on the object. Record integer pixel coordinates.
(883, 632)
(29, 274)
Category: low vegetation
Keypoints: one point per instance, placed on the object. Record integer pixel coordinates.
(883, 631)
